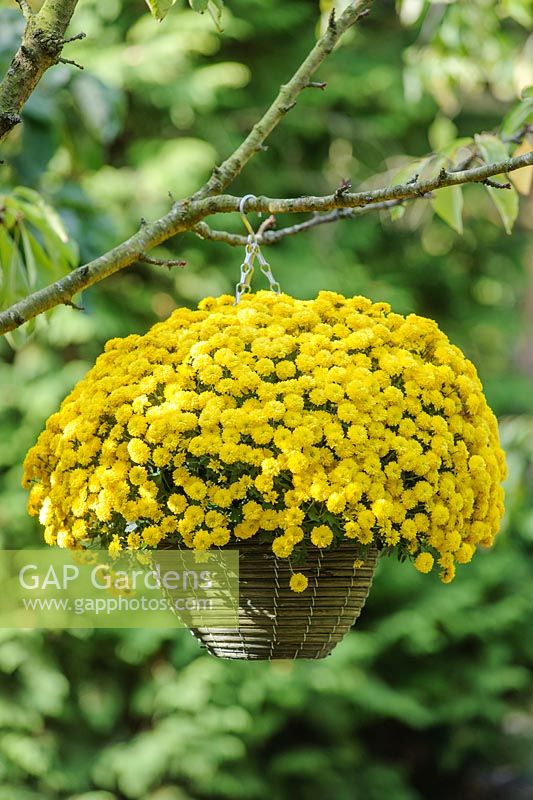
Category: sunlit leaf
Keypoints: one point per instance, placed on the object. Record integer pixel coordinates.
(442, 132)
(518, 117)
(493, 149)
(522, 179)
(448, 204)
(35, 250)
(160, 8)
(451, 149)
(397, 212)
(18, 338)
(215, 8)
(29, 256)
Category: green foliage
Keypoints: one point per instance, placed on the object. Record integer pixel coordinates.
(160, 8)
(214, 7)
(519, 116)
(492, 149)
(430, 695)
(35, 249)
(448, 204)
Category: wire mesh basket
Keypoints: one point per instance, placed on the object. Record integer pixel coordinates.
(277, 623)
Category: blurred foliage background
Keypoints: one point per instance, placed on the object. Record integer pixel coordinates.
(431, 695)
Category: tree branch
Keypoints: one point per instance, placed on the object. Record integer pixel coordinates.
(273, 237)
(226, 173)
(410, 190)
(41, 47)
(25, 8)
(187, 214)
(162, 262)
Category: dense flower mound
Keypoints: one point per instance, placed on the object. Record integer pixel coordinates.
(302, 423)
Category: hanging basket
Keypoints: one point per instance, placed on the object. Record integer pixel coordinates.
(307, 434)
(275, 622)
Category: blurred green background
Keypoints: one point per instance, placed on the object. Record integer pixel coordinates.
(431, 695)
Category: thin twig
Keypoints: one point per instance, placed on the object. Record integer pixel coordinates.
(268, 224)
(162, 262)
(73, 305)
(74, 38)
(27, 13)
(496, 184)
(69, 61)
(224, 174)
(266, 237)
(315, 85)
(519, 135)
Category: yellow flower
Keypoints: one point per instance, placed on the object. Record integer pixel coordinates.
(202, 540)
(139, 451)
(220, 536)
(424, 562)
(152, 535)
(137, 475)
(282, 546)
(298, 582)
(115, 547)
(134, 541)
(177, 503)
(79, 529)
(321, 536)
(196, 489)
(464, 554)
(137, 425)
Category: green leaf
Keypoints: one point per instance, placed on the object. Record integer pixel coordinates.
(409, 172)
(34, 246)
(448, 204)
(18, 338)
(215, 8)
(7, 255)
(451, 149)
(518, 117)
(491, 148)
(396, 213)
(506, 200)
(160, 8)
(29, 257)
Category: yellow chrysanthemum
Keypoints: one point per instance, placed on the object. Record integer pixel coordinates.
(321, 536)
(304, 422)
(298, 582)
(424, 562)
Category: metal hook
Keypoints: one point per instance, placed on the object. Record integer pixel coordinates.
(245, 220)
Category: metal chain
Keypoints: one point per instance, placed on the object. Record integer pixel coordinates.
(247, 270)
(252, 251)
(267, 271)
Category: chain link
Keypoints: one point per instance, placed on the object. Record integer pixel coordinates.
(253, 251)
(267, 271)
(247, 270)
